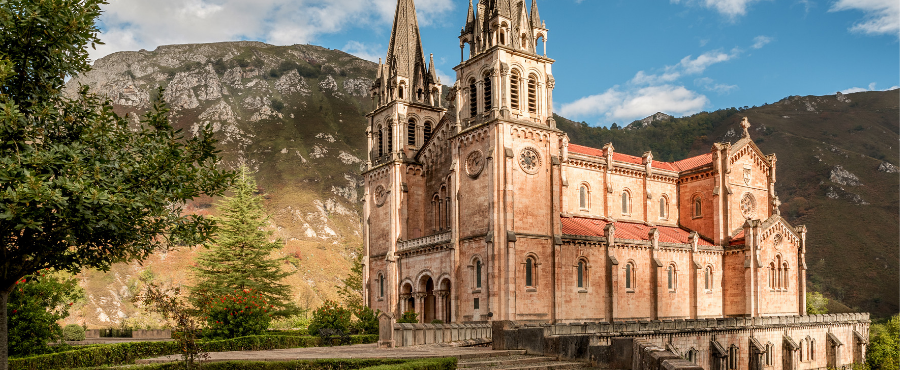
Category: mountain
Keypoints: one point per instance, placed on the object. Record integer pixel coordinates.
(837, 174)
(295, 115)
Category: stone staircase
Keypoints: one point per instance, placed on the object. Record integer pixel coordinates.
(514, 360)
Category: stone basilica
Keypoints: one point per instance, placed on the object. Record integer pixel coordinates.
(484, 211)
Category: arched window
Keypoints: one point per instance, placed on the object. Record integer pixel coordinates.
(529, 272)
(381, 285)
(778, 273)
(698, 209)
(473, 99)
(663, 208)
(514, 81)
(502, 37)
(812, 349)
(626, 203)
(400, 91)
(693, 355)
(801, 351)
(420, 94)
(671, 277)
(785, 281)
(487, 93)
(379, 134)
(447, 211)
(411, 132)
(583, 197)
(436, 211)
(478, 274)
(390, 139)
(524, 41)
(733, 357)
(707, 278)
(427, 131)
(532, 93)
(629, 276)
(770, 356)
(772, 275)
(581, 271)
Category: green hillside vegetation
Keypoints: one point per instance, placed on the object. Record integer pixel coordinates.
(853, 224)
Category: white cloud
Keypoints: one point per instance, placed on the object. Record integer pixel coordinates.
(871, 87)
(687, 66)
(760, 41)
(370, 52)
(729, 8)
(882, 17)
(709, 84)
(625, 106)
(136, 24)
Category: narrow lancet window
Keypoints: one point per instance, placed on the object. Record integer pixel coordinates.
(487, 93)
(514, 82)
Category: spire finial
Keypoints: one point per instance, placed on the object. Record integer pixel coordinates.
(535, 15)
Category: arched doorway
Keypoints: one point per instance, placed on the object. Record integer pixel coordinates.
(407, 301)
(445, 301)
(428, 314)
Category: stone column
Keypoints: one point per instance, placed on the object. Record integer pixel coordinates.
(404, 298)
(441, 303)
(420, 305)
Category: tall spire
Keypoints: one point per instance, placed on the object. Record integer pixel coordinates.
(405, 56)
(535, 15)
(470, 18)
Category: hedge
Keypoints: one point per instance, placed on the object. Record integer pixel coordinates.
(127, 353)
(336, 364)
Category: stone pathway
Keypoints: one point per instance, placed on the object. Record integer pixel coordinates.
(470, 358)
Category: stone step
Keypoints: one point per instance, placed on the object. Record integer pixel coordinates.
(491, 354)
(546, 365)
(501, 361)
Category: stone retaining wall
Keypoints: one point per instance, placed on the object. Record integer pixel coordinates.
(135, 334)
(776, 343)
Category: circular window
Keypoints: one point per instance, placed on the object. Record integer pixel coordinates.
(530, 160)
(380, 195)
(748, 206)
(474, 163)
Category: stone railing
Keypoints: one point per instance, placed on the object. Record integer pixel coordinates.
(648, 327)
(424, 241)
(391, 334)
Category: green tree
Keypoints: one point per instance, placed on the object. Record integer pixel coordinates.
(350, 289)
(884, 347)
(36, 304)
(816, 303)
(80, 188)
(238, 257)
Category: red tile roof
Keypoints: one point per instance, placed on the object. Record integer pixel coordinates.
(738, 239)
(682, 165)
(626, 230)
(694, 162)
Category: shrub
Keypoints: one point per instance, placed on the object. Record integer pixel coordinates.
(37, 302)
(73, 332)
(409, 317)
(336, 364)
(239, 314)
(127, 353)
(367, 320)
(330, 315)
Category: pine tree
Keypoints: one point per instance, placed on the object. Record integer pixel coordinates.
(351, 289)
(238, 257)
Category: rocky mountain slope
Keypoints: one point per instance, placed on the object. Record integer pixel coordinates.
(837, 174)
(294, 114)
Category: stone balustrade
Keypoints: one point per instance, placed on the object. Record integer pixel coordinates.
(391, 334)
(424, 241)
(661, 326)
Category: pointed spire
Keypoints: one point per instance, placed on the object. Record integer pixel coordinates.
(432, 71)
(470, 18)
(405, 53)
(535, 15)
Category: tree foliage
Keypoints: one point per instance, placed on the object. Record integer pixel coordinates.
(79, 187)
(239, 314)
(350, 289)
(330, 315)
(238, 257)
(816, 303)
(36, 304)
(884, 345)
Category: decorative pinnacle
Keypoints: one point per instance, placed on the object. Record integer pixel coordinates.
(745, 123)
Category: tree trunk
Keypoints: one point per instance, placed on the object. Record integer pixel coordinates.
(4, 331)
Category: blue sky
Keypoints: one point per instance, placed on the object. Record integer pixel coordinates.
(616, 60)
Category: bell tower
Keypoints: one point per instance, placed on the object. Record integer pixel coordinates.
(406, 99)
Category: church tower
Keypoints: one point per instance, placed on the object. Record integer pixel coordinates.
(406, 97)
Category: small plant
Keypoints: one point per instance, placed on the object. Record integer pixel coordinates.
(171, 307)
(409, 317)
(243, 313)
(331, 316)
(437, 321)
(73, 332)
(367, 321)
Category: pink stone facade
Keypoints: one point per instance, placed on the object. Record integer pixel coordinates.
(484, 211)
